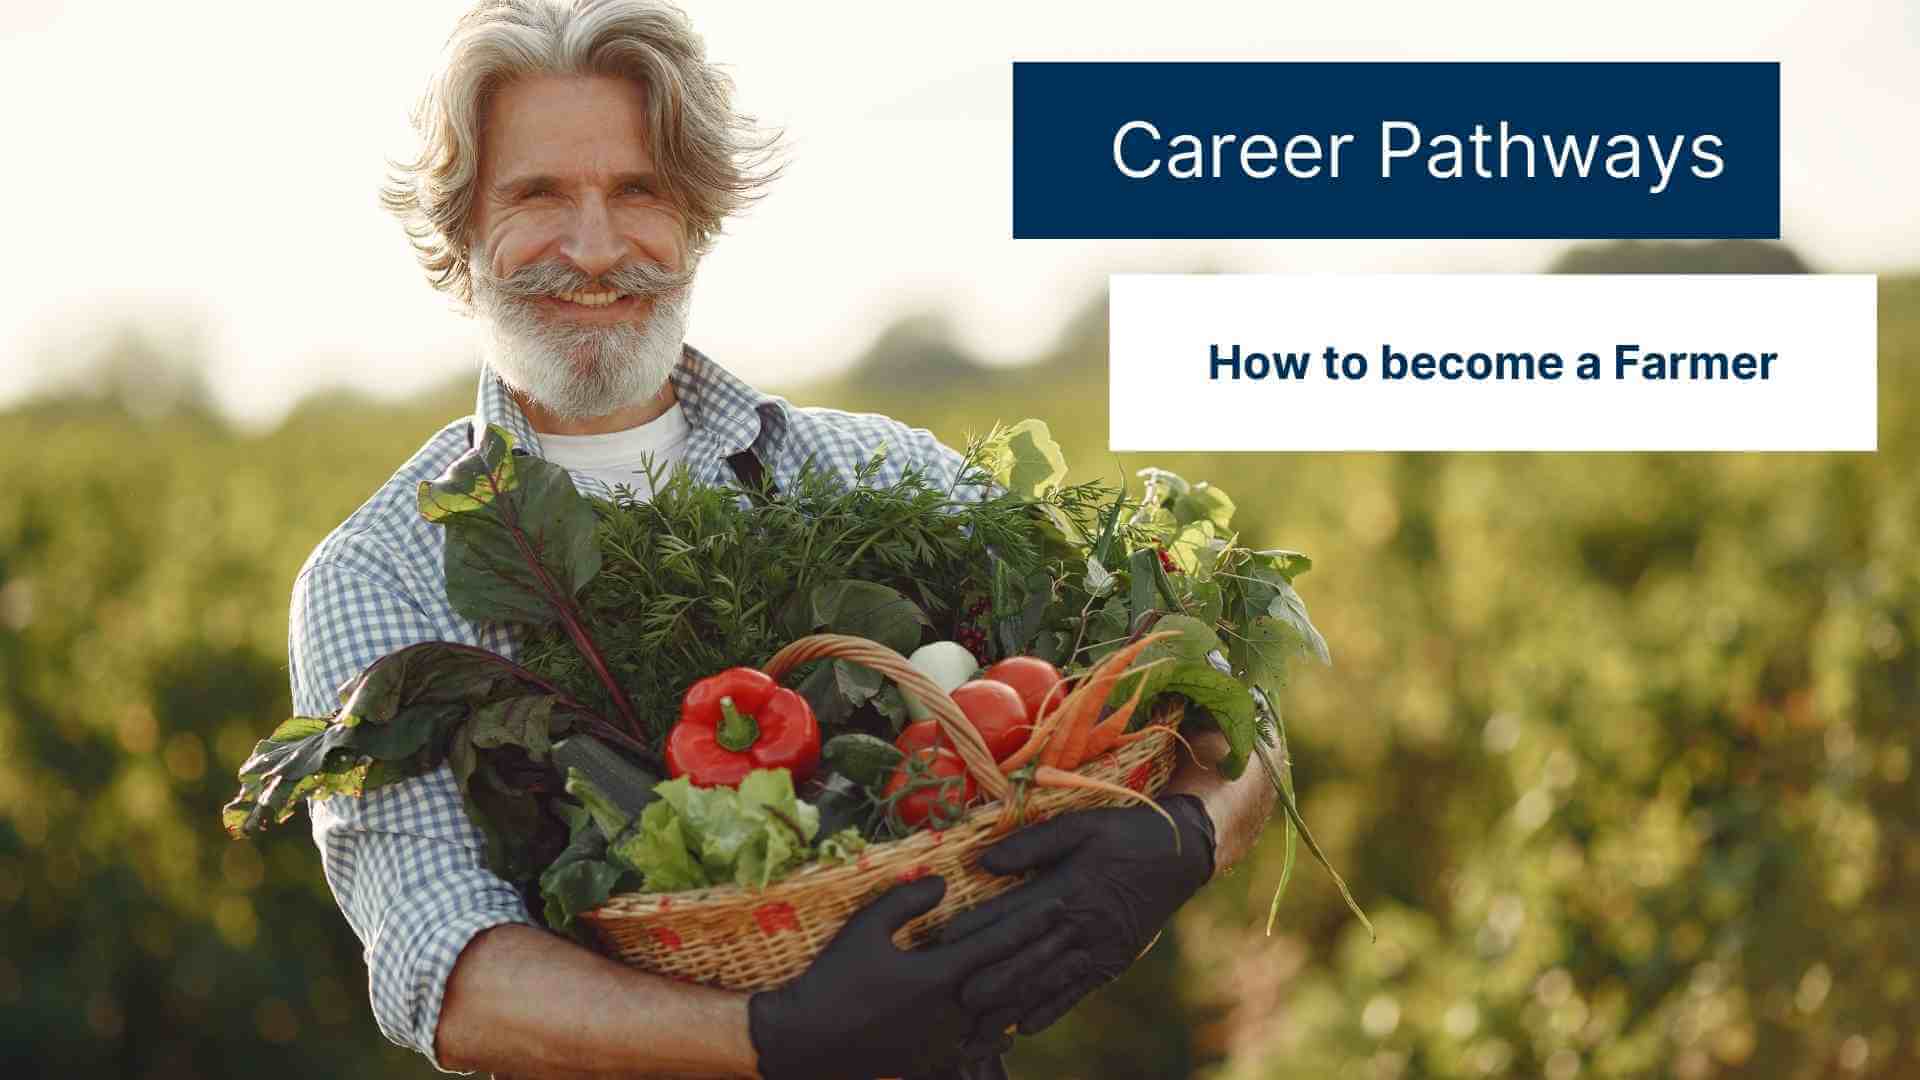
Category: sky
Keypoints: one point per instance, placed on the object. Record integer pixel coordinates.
(213, 168)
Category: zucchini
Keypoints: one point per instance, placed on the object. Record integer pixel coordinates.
(628, 786)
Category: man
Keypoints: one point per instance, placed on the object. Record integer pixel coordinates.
(579, 158)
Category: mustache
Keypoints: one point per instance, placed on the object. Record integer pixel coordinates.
(553, 278)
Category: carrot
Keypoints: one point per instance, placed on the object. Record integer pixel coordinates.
(1036, 742)
(1099, 685)
(1061, 732)
(1080, 712)
(1060, 778)
(1105, 735)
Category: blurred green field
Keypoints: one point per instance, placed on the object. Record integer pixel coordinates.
(1617, 750)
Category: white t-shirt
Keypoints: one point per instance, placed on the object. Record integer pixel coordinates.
(618, 457)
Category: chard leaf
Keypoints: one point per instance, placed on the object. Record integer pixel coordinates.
(507, 817)
(572, 887)
(521, 544)
(400, 714)
(520, 538)
(524, 721)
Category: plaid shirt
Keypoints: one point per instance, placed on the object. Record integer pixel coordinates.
(405, 863)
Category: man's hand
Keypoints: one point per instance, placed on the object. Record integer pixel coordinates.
(1120, 877)
(866, 1008)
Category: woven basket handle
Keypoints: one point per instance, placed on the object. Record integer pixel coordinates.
(871, 654)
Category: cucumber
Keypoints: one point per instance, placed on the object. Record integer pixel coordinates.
(864, 759)
(627, 785)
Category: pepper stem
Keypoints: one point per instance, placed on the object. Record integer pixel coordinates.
(736, 730)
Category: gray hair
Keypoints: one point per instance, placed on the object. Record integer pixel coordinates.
(712, 160)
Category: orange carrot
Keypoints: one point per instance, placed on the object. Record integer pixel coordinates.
(1106, 734)
(1060, 732)
(1099, 685)
(1036, 742)
(1060, 778)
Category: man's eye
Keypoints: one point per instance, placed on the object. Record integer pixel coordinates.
(636, 189)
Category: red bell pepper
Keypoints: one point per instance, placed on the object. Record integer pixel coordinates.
(738, 721)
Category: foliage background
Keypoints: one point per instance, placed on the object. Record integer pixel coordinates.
(1617, 749)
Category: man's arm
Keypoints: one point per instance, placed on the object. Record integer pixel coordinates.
(522, 1002)
(406, 866)
(1239, 808)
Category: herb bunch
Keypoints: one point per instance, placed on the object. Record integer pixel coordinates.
(698, 578)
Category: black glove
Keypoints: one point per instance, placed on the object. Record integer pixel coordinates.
(1121, 879)
(866, 1008)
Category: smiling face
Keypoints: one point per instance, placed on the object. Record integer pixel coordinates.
(579, 259)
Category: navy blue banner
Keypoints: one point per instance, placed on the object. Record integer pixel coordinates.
(1396, 150)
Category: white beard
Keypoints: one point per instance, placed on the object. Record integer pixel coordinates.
(582, 372)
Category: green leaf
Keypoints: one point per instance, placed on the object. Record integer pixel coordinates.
(659, 852)
(400, 714)
(841, 846)
(1099, 579)
(1143, 595)
(857, 684)
(1203, 502)
(1287, 607)
(866, 609)
(1228, 707)
(1261, 650)
(1288, 564)
(1163, 660)
(1195, 548)
(509, 819)
(1206, 600)
(1162, 488)
(749, 835)
(574, 887)
(1107, 628)
(520, 538)
(1031, 464)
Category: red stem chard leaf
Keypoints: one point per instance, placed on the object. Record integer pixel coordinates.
(403, 716)
(520, 546)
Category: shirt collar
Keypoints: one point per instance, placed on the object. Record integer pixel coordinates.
(727, 415)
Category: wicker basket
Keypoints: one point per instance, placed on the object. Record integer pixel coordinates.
(747, 939)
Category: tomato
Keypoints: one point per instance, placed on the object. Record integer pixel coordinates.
(997, 712)
(925, 735)
(1030, 677)
(945, 788)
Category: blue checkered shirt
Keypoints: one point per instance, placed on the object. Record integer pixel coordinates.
(405, 863)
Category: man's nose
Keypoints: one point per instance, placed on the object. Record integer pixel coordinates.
(591, 243)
